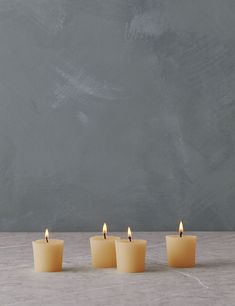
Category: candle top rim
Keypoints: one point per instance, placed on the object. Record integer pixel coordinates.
(133, 241)
(183, 237)
(101, 238)
(50, 241)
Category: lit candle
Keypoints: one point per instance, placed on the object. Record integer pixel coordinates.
(181, 249)
(130, 254)
(48, 254)
(103, 250)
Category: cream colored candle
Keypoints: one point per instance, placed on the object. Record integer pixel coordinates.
(103, 250)
(130, 254)
(181, 249)
(48, 254)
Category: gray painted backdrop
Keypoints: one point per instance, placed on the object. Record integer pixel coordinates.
(118, 111)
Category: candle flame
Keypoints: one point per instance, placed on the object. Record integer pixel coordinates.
(181, 227)
(46, 234)
(129, 233)
(105, 229)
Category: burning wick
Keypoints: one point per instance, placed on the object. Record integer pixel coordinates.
(181, 229)
(129, 233)
(47, 235)
(105, 230)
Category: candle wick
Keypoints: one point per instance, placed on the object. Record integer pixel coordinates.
(47, 239)
(129, 238)
(181, 234)
(104, 235)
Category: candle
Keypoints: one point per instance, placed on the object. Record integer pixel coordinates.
(103, 250)
(48, 254)
(181, 249)
(130, 254)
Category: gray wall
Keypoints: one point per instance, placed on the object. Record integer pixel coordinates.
(118, 111)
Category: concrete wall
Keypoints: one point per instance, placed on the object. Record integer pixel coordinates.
(118, 111)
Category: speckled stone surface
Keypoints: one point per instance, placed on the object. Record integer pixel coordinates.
(211, 282)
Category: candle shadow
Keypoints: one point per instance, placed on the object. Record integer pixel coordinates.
(215, 264)
(156, 267)
(78, 269)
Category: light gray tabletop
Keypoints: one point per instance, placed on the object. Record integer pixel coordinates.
(211, 282)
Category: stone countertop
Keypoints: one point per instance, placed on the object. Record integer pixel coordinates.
(211, 282)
